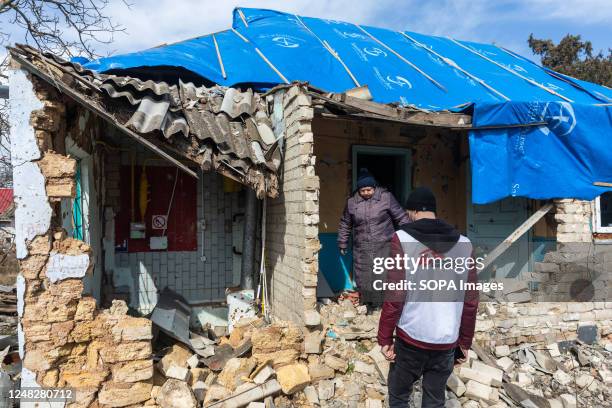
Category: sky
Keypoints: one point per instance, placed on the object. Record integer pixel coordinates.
(507, 23)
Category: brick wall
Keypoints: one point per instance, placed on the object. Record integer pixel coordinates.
(292, 242)
(543, 322)
(573, 219)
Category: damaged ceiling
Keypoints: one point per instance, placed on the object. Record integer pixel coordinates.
(219, 128)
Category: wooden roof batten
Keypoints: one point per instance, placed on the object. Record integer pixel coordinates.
(357, 108)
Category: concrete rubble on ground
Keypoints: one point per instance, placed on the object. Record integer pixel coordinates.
(335, 362)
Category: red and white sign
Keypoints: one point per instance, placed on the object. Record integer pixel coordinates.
(159, 222)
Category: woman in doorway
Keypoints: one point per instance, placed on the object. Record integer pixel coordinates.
(372, 214)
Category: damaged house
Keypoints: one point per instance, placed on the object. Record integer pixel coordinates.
(203, 183)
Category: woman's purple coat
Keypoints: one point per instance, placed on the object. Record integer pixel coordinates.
(373, 223)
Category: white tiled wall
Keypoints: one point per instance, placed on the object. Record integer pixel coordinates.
(187, 273)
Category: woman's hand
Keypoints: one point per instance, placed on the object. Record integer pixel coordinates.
(342, 251)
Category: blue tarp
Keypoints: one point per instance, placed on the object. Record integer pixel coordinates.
(560, 159)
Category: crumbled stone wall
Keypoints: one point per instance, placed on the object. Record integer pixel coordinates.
(65, 341)
(543, 322)
(292, 244)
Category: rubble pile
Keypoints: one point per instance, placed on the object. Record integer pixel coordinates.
(515, 323)
(335, 362)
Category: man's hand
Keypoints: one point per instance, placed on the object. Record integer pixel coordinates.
(389, 352)
(460, 361)
(342, 251)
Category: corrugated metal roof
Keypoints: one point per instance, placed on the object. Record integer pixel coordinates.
(224, 129)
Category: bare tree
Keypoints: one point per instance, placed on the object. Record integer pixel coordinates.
(63, 27)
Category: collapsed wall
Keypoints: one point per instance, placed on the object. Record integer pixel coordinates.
(569, 289)
(64, 340)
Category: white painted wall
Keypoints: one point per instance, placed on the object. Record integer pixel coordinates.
(32, 209)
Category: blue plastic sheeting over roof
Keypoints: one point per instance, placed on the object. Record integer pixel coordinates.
(267, 47)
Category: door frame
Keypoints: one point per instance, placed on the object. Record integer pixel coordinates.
(404, 153)
(470, 214)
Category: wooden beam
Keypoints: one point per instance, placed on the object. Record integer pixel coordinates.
(100, 112)
(382, 111)
(366, 106)
(516, 234)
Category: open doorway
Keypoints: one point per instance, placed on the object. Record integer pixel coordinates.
(389, 165)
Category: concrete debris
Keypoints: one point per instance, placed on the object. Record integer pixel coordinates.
(502, 351)
(176, 394)
(326, 390)
(350, 371)
(178, 373)
(568, 401)
(262, 374)
(455, 384)
(562, 377)
(177, 355)
(312, 343)
(312, 318)
(283, 365)
(293, 377)
(311, 394)
(199, 390)
(336, 363)
(193, 361)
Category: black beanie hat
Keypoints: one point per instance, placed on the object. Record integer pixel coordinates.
(421, 199)
(365, 179)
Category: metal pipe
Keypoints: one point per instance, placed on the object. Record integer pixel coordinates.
(248, 240)
(4, 92)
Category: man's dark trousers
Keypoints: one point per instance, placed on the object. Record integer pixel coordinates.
(410, 364)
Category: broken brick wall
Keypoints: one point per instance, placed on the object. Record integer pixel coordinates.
(540, 322)
(64, 340)
(292, 243)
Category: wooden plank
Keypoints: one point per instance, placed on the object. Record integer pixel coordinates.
(516, 234)
(366, 106)
(444, 119)
(101, 113)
